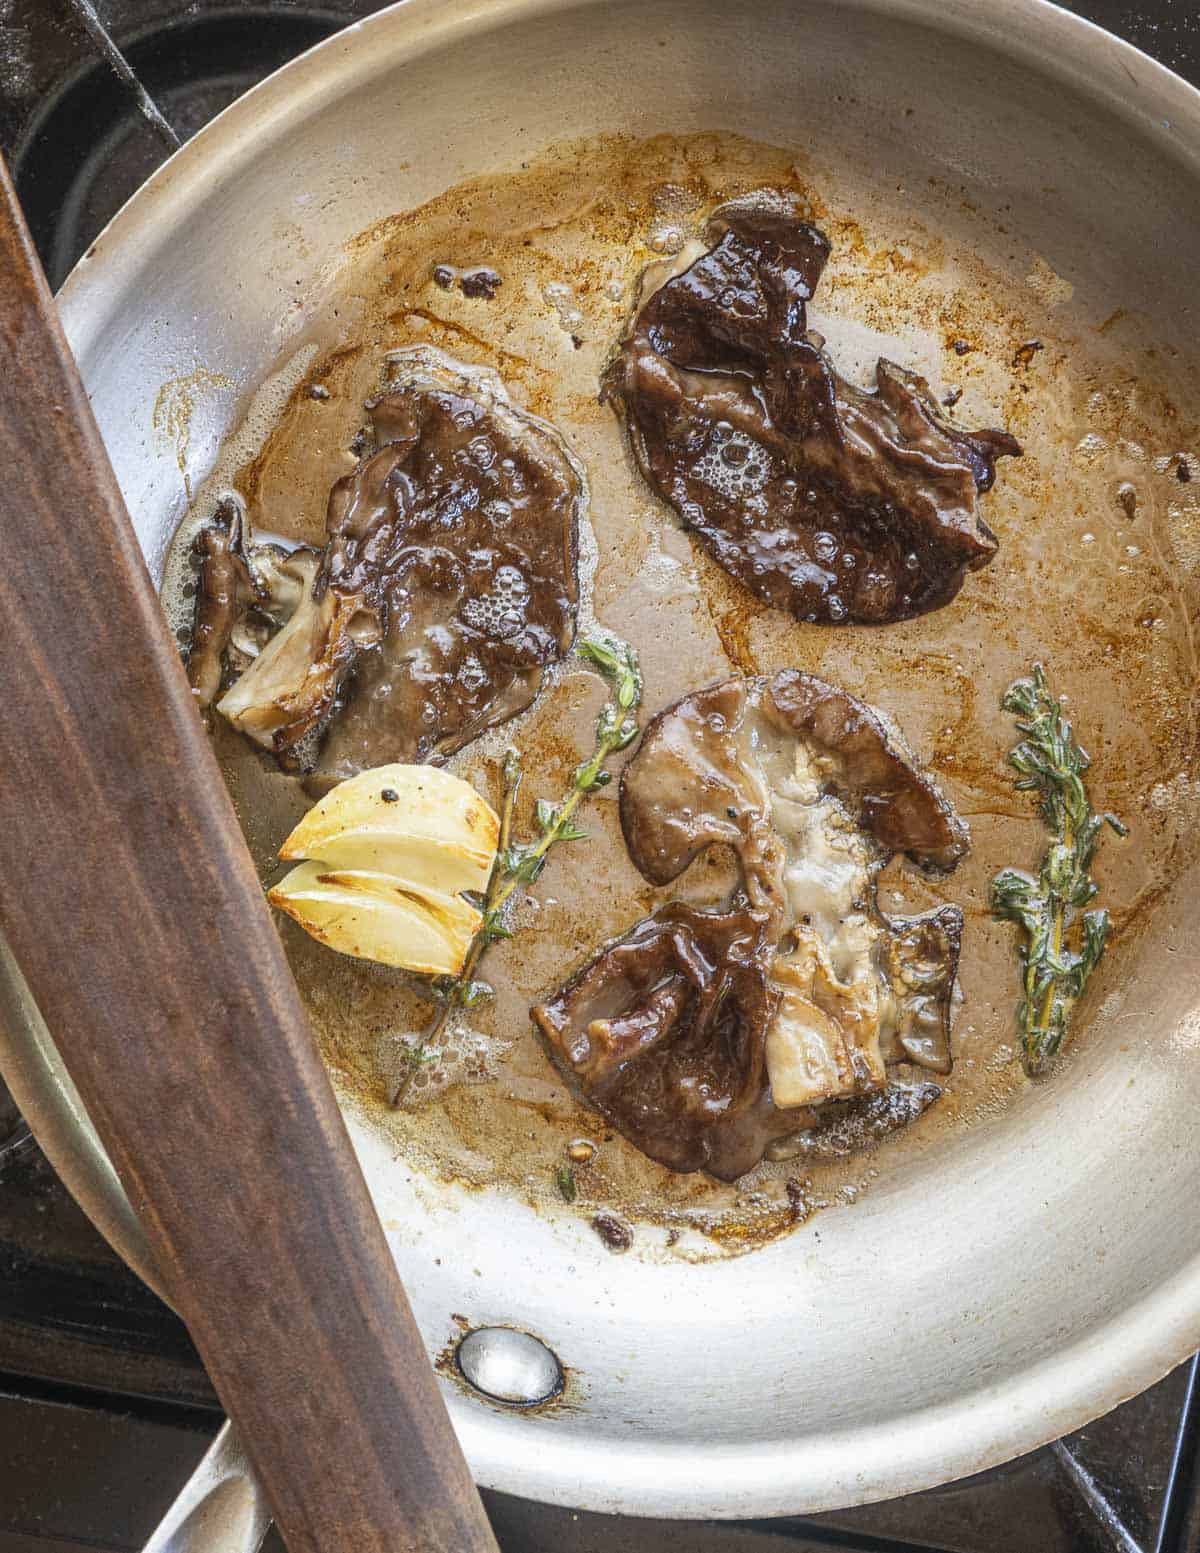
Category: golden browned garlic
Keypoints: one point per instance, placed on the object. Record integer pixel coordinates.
(387, 856)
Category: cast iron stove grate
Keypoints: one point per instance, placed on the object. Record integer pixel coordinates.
(104, 1407)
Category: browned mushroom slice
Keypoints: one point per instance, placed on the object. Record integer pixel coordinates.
(666, 1029)
(446, 587)
(813, 792)
(919, 959)
(293, 683)
(836, 504)
(218, 607)
(846, 1127)
(245, 592)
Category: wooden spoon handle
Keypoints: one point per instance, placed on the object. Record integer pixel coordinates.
(133, 909)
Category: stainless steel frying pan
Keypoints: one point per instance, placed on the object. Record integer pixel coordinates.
(1030, 1272)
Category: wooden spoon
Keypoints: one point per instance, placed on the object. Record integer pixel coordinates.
(133, 909)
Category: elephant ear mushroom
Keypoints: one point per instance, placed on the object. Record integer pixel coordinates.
(446, 587)
(837, 503)
(665, 1031)
(711, 1038)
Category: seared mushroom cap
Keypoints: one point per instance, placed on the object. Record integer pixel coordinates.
(467, 548)
(836, 504)
(446, 586)
(710, 1037)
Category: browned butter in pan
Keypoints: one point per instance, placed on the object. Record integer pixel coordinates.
(1099, 542)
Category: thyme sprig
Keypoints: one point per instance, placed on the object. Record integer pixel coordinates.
(1062, 943)
(519, 864)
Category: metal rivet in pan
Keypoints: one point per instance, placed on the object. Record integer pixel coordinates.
(509, 1366)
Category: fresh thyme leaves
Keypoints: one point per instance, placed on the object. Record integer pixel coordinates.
(1062, 943)
(519, 864)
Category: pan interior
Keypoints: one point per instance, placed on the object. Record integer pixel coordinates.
(1091, 580)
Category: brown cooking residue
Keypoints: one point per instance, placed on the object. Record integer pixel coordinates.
(750, 1232)
(1093, 522)
(452, 335)
(615, 1234)
(732, 611)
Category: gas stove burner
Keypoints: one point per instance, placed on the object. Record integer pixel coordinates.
(104, 130)
(15, 1136)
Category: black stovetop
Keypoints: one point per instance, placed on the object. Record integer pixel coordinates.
(104, 1406)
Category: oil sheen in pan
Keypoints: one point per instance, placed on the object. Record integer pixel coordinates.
(1100, 540)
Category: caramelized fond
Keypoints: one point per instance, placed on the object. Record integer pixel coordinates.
(1096, 576)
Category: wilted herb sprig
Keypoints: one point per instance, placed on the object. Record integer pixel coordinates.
(518, 864)
(1062, 942)
(616, 727)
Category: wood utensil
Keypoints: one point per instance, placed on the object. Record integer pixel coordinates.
(133, 909)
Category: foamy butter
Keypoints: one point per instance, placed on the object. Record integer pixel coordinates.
(465, 1055)
(563, 300)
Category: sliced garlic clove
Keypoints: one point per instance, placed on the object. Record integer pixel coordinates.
(374, 916)
(417, 822)
(387, 854)
(422, 861)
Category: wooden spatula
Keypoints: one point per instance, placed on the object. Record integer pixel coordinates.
(132, 907)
